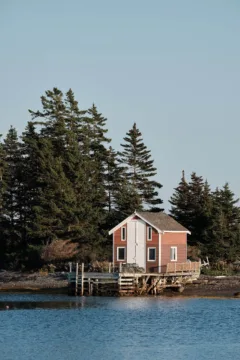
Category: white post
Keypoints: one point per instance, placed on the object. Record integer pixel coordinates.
(82, 289)
(76, 280)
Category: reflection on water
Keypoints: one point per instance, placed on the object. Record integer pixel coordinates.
(18, 305)
(59, 327)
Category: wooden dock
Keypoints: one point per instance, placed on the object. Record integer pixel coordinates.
(131, 283)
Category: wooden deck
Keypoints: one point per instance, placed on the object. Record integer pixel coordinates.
(131, 283)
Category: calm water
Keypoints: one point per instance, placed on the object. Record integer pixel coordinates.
(44, 327)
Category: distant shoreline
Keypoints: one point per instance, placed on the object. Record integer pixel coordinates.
(205, 286)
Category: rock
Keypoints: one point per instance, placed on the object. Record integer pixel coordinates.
(180, 289)
(237, 294)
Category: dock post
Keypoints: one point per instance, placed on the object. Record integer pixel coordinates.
(97, 286)
(89, 286)
(76, 280)
(109, 267)
(70, 267)
(82, 289)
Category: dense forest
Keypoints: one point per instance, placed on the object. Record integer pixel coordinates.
(62, 187)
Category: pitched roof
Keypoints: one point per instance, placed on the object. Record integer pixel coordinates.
(161, 221)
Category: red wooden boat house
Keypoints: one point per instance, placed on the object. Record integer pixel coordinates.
(151, 240)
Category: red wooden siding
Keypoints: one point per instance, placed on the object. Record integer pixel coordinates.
(173, 239)
(119, 243)
(178, 240)
(152, 266)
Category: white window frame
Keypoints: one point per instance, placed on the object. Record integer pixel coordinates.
(121, 247)
(150, 248)
(149, 238)
(125, 231)
(175, 252)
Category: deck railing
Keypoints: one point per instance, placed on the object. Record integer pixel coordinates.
(173, 267)
(190, 266)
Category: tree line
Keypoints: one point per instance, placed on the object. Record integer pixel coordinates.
(63, 186)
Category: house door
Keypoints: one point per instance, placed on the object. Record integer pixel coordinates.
(136, 249)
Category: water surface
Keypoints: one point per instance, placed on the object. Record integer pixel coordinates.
(59, 327)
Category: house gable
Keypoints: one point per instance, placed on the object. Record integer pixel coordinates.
(134, 216)
(161, 222)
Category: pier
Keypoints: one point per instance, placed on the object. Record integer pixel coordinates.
(126, 280)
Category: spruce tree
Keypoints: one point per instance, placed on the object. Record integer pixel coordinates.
(3, 240)
(224, 233)
(180, 201)
(138, 188)
(2, 170)
(11, 197)
(46, 190)
(76, 139)
(191, 206)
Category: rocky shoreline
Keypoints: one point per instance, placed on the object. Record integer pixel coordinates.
(205, 286)
(33, 282)
(213, 286)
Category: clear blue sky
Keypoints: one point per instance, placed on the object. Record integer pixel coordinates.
(173, 67)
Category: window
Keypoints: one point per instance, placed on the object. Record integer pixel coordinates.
(151, 254)
(123, 233)
(173, 253)
(120, 253)
(149, 233)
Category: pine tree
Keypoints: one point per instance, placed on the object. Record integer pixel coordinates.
(212, 217)
(99, 157)
(200, 197)
(181, 202)
(46, 190)
(191, 206)
(2, 170)
(3, 242)
(11, 197)
(75, 139)
(224, 233)
(138, 189)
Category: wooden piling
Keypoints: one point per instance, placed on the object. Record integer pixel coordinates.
(89, 286)
(82, 280)
(76, 280)
(126, 283)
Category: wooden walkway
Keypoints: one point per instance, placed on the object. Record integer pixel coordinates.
(130, 283)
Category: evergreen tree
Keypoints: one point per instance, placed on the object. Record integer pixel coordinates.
(212, 217)
(181, 202)
(224, 233)
(200, 197)
(113, 178)
(2, 170)
(138, 189)
(47, 192)
(191, 206)
(3, 242)
(11, 197)
(76, 138)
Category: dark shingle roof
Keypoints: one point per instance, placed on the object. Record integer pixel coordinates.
(161, 221)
